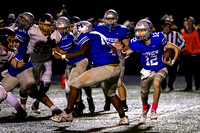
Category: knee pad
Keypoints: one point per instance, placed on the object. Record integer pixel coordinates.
(44, 86)
(23, 94)
(35, 93)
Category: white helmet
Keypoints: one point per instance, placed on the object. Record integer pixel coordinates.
(62, 22)
(144, 24)
(81, 28)
(28, 17)
(110, 14)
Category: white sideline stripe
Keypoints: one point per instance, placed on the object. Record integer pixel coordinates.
(160, 116)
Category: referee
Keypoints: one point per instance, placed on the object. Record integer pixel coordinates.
(177, 39)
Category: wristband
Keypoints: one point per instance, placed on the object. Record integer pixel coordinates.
(172, 62)
(63, 57)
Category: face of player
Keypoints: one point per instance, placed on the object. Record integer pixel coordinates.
(23, 22)
(62, 31)
(110, 20)
(140, 33)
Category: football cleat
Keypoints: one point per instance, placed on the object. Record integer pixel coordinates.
(63, 117)
(123, 121)
(91, 105)
(144, 115)
(35, 107)
(153, 115)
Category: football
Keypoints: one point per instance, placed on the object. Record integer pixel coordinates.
(169, 53)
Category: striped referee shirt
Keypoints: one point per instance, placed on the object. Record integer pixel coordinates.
(175, 38)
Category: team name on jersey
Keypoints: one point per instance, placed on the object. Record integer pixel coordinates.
(152, 53)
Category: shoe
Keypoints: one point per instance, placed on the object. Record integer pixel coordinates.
(19, 116)
(107, 104)
(123, 121)
(63, 117)
(91, 105)
(57, 111)
(153, 115)
(144, 115)
(78, 109)
(35, 107)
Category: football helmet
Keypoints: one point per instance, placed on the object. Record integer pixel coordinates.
(81, 28)
(7, 38)
(46, 24)
(25, 20)
(74, 20)
(143, 25)
(63, 23)
(110, 14)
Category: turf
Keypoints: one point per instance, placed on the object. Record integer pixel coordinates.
(178, 111)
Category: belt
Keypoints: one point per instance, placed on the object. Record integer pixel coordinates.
(114, 65)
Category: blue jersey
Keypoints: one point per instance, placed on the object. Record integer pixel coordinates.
(67, 44)
(120, 32)
(101, 52)
(151, 55)
(23, 39)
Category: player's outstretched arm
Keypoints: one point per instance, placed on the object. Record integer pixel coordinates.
(119, 47)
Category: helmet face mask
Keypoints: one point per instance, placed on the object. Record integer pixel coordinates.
(143, 30)
(110, 18)
(46, 24)
(63, 25)
(8, 39)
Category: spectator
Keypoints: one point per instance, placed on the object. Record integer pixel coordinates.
(191, 54)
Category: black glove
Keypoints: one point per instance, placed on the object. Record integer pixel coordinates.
(26, 58)
(51, 42)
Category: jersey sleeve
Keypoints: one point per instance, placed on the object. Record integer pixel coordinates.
(82, 39)
(66, 43)
(163, 39)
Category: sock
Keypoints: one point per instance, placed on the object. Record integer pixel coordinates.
(53, 107)
(124, 102)
(145, 107)
(68, 111)
(13, 101)
(154, 106)
(122, 115)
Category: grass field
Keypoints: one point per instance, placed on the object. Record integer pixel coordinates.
(178, 111)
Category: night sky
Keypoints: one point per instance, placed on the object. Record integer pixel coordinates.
(132, 10)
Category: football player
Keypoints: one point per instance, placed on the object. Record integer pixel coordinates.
(105, 70)
(112, 31)
(24, 75)
(75, 66)
(8, 51)
(151, 47)
(39, 48)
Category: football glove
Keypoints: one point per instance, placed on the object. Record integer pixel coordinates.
(26, 58)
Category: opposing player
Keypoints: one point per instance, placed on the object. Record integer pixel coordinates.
(105, 69)
(39, 48)
(8, 51)
(151, 47)
(76, 66)
(112, 31)
(24, 75)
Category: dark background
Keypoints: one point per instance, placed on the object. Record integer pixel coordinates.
(127, 10)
